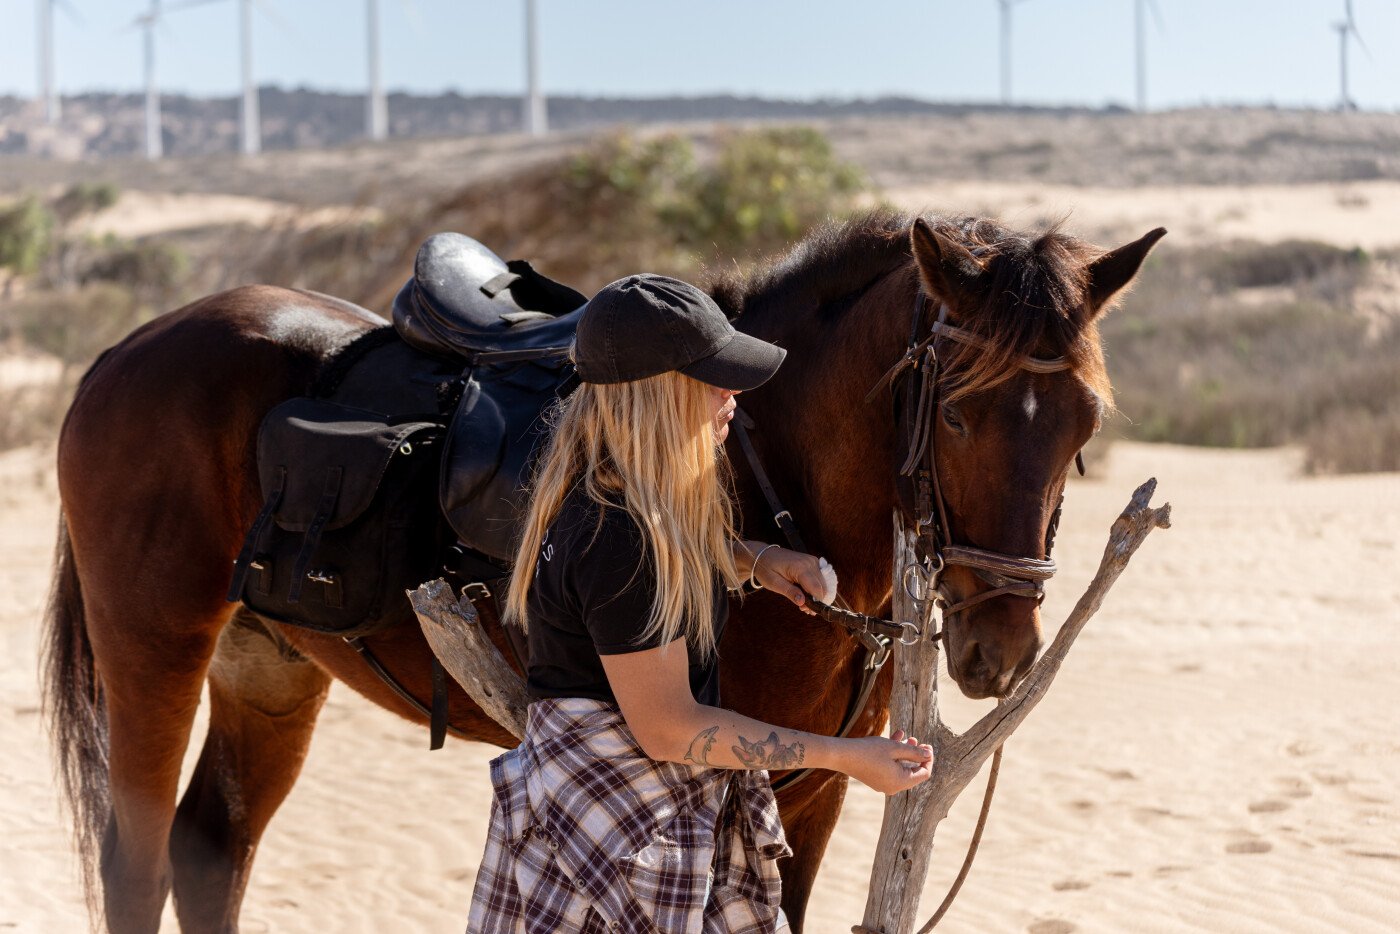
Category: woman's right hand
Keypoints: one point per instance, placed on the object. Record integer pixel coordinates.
(889, 765)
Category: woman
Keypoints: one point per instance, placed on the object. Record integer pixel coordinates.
(636, 802)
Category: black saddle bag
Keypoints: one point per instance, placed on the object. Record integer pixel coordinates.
(349, 515)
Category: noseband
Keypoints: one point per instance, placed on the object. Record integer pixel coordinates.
(916, 386)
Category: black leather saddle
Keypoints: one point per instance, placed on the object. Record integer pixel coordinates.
(510, 328)
(465, 301)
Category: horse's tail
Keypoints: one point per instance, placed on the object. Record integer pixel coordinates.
(75, 713)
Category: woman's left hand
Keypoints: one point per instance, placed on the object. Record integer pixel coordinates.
(792, 574)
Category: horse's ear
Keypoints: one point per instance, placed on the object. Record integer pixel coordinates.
(1115, 269)
(946, 268)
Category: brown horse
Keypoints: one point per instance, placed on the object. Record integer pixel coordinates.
(157, 475)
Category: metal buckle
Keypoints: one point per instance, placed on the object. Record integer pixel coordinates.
(909, 634)
(476, 591)
(879, 653)
(320, 576)
(778, 517)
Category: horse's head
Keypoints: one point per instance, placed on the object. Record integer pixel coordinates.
(1006, 425)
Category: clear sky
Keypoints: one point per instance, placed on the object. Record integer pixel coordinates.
(1065, 51)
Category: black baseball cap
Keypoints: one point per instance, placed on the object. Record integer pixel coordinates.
(645, 325)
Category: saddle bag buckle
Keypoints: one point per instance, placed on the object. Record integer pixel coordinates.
(475, 591)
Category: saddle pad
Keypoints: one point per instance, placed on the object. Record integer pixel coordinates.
(310, 437)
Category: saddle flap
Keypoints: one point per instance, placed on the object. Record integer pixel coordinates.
(309, 445)
(490, 444)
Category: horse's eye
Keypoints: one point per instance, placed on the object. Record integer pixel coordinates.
(953, 421)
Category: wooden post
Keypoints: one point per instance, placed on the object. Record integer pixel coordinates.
(911, 818)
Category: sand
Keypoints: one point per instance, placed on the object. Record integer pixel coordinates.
(1348, 214)
(143, 213)
(1219, 753)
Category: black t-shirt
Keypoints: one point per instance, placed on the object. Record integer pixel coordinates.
(592, 595)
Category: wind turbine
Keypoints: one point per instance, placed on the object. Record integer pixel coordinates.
(250, 127)
(249, 124)
(376, 107)
(1006, 7)
(48, 89)
(1140, 28)
(535, 119)
(147, 23)
(1345, 30)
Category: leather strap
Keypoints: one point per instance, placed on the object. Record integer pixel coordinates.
(499, 283)
(329, 495)
(250, 542)
(1030, 569)
(781, 517)
(512, 356)
(358, 645)
(437, 718)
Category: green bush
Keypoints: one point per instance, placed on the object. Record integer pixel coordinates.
(26, 235)
(766, 189)
(763, 190)
(153, 269)
(85, 198)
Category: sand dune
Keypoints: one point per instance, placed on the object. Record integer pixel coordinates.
(1219, 753)
(1348, 214)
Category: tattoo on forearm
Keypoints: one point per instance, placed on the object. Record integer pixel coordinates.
(699, 751)
(769, 753)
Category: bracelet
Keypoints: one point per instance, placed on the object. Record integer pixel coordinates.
(753, 580)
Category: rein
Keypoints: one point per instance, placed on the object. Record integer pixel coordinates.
(921, 496)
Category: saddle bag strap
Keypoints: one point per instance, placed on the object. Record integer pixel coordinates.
(437, 720)
(324, 509)
(250, 543)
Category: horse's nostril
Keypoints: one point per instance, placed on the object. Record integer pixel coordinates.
(976, 665)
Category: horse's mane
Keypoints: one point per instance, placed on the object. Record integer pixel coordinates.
(1030, 301)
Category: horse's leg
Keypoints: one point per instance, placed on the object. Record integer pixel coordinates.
(151, 690)
(158, 483)
(264, 699)
(808, 832)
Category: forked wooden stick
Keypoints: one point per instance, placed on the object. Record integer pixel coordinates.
(912, 817)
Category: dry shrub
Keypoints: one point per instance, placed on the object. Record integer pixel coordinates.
(1252, 265)
(33, 414)
(1199, 358)
(624, 204)
(1355, 441)
(76, 325)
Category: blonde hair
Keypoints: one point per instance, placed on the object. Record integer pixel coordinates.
(652, 441)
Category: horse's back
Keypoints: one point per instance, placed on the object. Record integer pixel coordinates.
(167, 418)
(246, 343)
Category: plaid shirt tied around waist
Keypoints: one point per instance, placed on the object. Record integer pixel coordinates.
(589, 835)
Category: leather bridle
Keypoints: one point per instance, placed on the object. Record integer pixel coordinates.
(916, 388)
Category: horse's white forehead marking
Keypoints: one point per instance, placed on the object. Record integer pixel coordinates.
(1029, 404)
